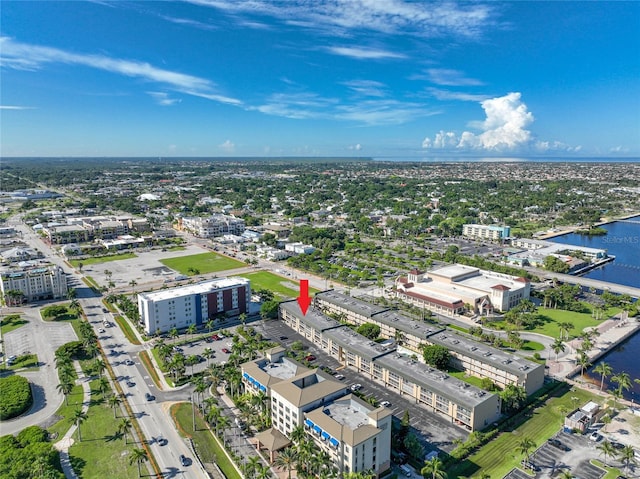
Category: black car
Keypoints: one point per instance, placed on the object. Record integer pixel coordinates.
(149, 397)
(284, 338)
(130, 383)
(558, 444)
(617, 445)
(162, 441)
(184, 460)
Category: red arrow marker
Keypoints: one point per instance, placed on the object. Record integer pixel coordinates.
(304, 300)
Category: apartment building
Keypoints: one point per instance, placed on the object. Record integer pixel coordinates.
(473, 357)
(356, 435)
(451, 289)
(212, 226)
(180, 307)
(34, 283)
(81, 230)
(466, 405)
(486, 232)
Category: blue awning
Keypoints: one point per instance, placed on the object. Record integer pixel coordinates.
(334, 442)
(246, 376)
(308, 422)
(317, 429)
(326, 435)
(262, 388)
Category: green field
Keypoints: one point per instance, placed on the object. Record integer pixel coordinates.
(499, 456)
(101, 259)
(203, 263)
(278, 284)
(11, 322)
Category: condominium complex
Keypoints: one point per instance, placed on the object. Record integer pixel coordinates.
(462, 403)
(211, 226)
(486, 232)
(183, 306)
(33, 283)
(473, 357)
(451, 289)
(81, 230)
(354, 434)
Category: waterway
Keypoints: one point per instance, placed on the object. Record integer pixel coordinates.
(622, 241)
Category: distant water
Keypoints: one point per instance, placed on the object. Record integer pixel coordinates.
(623, 358)
(622, 241)
(524, 159)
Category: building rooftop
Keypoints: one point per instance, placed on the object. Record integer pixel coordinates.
(352, 304)
(313, 318)
(198, 288)
(307, 387)
(357, 343)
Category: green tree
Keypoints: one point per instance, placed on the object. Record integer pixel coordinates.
(269, 309)
(138, 456)
(558, 347)
(605, 370)
(524, 446)
(513, 397)
(65, 387)
(627, 456)
(607, 450)
(437, 356)
(114, 401)
(79, 416)
(287, 459)
(623, 380)
(369, 330)
(124, 427)
(435, 468)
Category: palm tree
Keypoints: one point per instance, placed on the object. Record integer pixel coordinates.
(607, 449)
(201, 386)
(99, 366)
(583, 361)
(114, 401)
(133, 283)
(558, 347)
(627, 455)
(435, 468)
(604, 370)
(138, 456)
(91, 348)
(566, 474)
(208, 354)
(222, 424)
(210, 325)
(623, 380)
(103, 385)
(251, 465)
(525, 445)
(263, 472)
(65, 387)
(565, 327)
(606, 420)
(287, 459)
(242, 318)
(297, 435)
(79, 416)
(191, 330)
(173, 333)
(124, 427)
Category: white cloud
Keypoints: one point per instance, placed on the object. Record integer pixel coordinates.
(504, 128)
(449, 77)
(343, 17)
(367, 87)
(16, 107)
(32, 57)
(619, 149)
(356, 147)
(228, 146)
(455, 95)
(364, 53)
(162, 98)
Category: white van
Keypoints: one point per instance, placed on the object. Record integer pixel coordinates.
(406, 470)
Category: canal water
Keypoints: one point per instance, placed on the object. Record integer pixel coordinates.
(623, 242)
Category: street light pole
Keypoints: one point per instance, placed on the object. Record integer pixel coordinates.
(193, 413)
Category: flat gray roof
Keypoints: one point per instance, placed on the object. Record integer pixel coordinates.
(439, 382)
(352, 341)
(313, 318)
(484, 353)
(352, 304)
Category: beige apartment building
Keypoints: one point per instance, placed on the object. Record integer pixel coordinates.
(35, 283)
(468, 355)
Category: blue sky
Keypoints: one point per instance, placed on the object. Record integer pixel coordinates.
(373, 78)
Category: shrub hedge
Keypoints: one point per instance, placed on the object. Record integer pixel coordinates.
(16, 396)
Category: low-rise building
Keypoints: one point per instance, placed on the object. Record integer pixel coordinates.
(182, 306)
(212, 226)
(486, 232)
(33, 283)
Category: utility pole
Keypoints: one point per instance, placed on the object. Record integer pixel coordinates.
(193, 413)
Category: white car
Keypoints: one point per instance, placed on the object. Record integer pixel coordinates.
(595, 436)
(356, 387)
(101, 330)
(385, 404)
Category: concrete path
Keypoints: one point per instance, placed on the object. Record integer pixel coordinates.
(67, 441)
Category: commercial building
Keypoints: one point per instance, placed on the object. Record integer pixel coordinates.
(212, 226)
(354, 434)
(180, 307)
(472, 357)
(460, 402)
(81, 230)
(451, 289)
(486, 232)
(33, 283)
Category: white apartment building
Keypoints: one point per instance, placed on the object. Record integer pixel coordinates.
(299, 248)
(468, 355)
(35, 283)
(180, 307)
(212, 226)
(488, 232)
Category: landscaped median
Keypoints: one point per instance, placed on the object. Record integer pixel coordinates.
(126, 329)
(207, 445)
(146, 360)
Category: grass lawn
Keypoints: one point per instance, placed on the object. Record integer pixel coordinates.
(101, 259)
(499, 456)
(276, 283)
(462, 376)
(66, 412)
(102, 452)
(26, 361)
(144, 357)
(126, 329)
(11, 322)
(204, 263)
(208, 447)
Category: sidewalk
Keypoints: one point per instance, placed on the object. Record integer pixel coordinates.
(67, 441)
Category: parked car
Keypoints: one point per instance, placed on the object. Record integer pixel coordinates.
(595, 436)
(617, 445)
(128, 362)
(283, 338)
(558, 444)
(101, 330)
(225, 350)
(310, 357)
(215, 337)
(339, 377)
(385, 404)
(530, 465)
(130, 383)
(356, 387)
